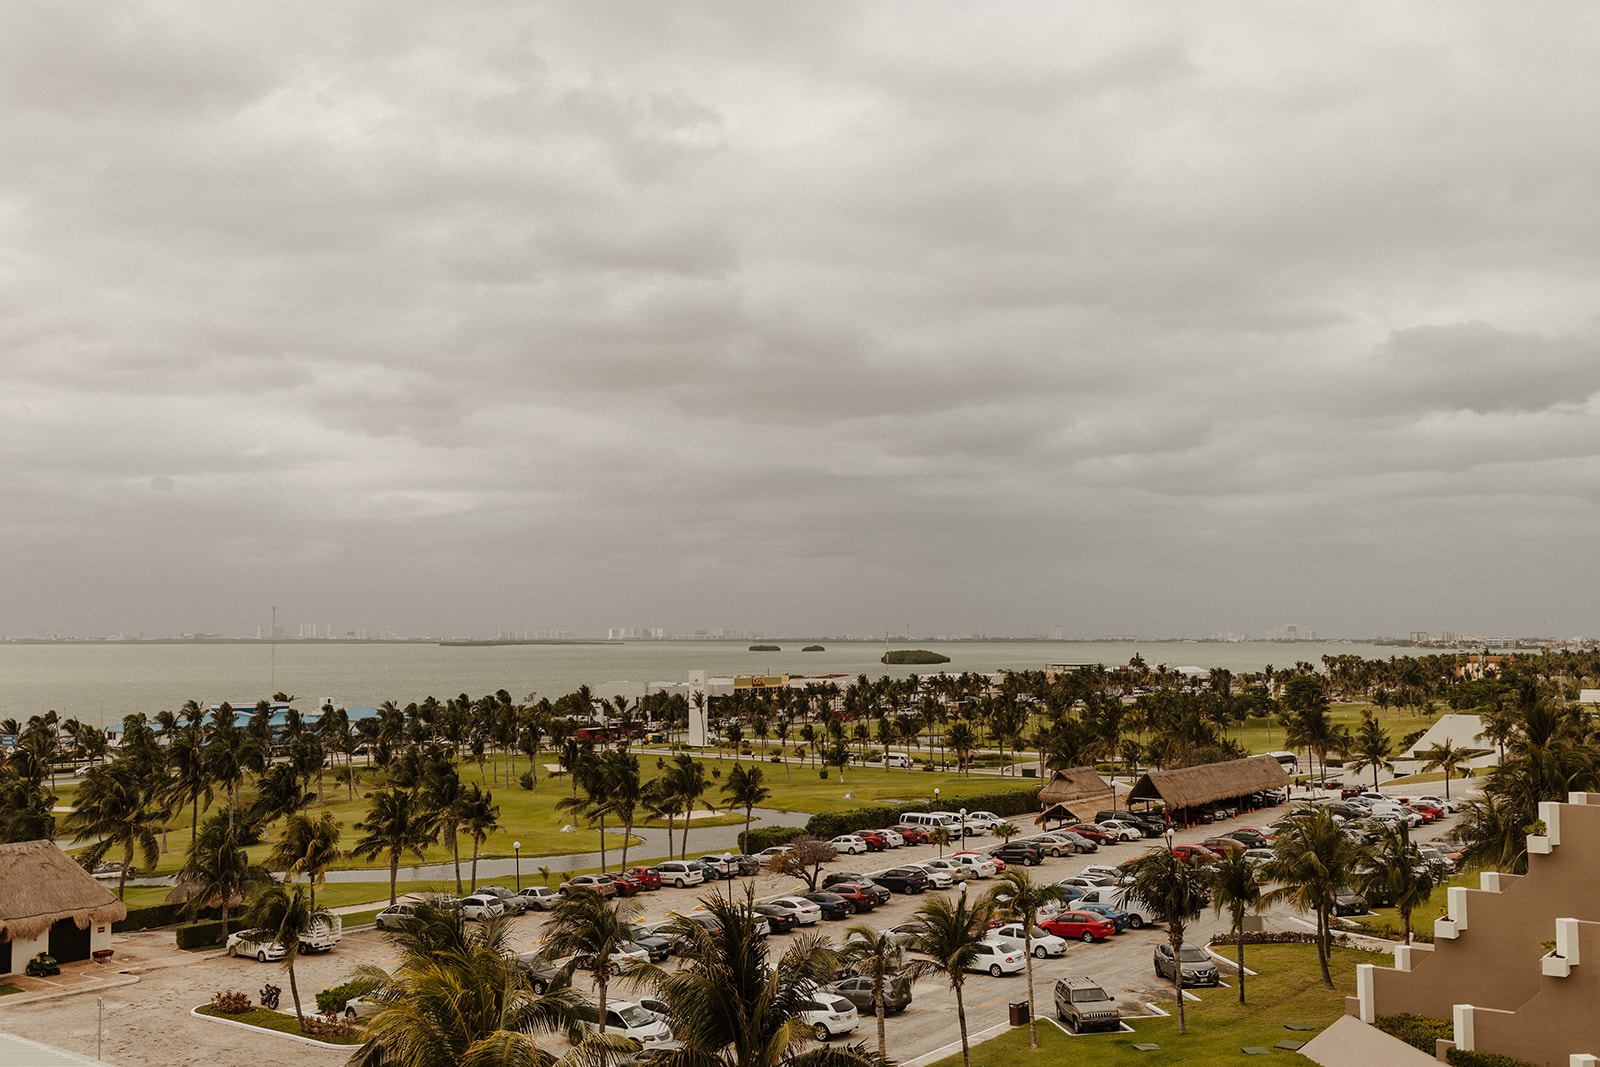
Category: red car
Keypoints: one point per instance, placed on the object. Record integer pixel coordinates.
(856, 895)
(643, 877)
(1080, 926)
(876, 842)
(1427, 811)
(1093, 833)
(1220, 845)
(914, 835)
(1194, 854)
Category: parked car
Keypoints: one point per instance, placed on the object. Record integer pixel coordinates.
(478, 908)
(975, 864)
(1219, 845)
(999, 957)
(323, 935)
(858, 991)
(513, 901)
(1120, 919)
(913, 835)
(859, 897)
(1093, 833)
(257, 943)
(1122, 831)
(943, 873)
(1347, 901)
(1117, 897)
(1078, 925)
(829, 1015)
(805, 911)
(391, 917)
(903, 879)
(541, 897)
(624, 1018)
(681, 873)
(894, 838)
(1082, 1005)
(1194, 855)
(874, 841)
(849, 844)
(1048, 844)
(541, 972)
(1198, 967)
(604, 884)
(1044, 942)
(781, 920)
(833, 905)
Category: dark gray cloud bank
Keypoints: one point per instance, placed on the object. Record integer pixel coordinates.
(809, 318)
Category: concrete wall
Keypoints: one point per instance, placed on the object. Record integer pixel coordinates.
(1561, 1018)
(23, 951)
(1488, 950)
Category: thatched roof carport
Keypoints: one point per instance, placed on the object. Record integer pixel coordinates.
(41, 885)
(1188, 786)
(1077, 793)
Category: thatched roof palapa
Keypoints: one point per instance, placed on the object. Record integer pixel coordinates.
(40, 885)
(1188, 786)
(1078, 792)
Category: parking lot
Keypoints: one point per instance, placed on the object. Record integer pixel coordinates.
(149, 1020)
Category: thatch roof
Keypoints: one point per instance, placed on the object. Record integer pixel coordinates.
(1188, 786)
(1078, 790)
(40, 885)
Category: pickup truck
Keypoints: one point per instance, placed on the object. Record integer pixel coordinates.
(323, 936)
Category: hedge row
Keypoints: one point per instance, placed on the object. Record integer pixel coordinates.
(152, 916)
(1286, 937)
(768, 836)
(1418, 1031)
(334, 999)
(1004, 803)
(201, 934)
(1463, 1058)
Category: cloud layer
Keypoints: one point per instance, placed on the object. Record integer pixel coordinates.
(808, 319)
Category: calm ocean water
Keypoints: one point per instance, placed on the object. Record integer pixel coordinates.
(101, 683)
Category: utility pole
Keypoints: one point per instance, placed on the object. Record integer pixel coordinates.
(272, 638)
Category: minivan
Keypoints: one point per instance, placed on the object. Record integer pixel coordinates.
(896, 759)
(929, 821)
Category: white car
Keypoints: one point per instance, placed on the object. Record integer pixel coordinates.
(624, 955)
(1117, 874)
(767, 855)
(482, 907)
(257, 943)
(541, 897)
(974, 865)
(894, 839)
(1122, 831)
(828, 1014)
(849, 844)
(624, 1018)
(1449, 807)
(943, 873)
(682, 873)
(804, 912)
(999, 957)
(985, 820)
(1044, 942)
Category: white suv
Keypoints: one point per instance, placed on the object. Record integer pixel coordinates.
(828, 1014)
(680, 873)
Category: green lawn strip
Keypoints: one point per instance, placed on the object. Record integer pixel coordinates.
(1288, 989)
(1422, 917)
(263, 1019)
(6, 990)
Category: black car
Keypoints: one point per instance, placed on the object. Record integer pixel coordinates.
(843, 876)
(1018, 852)
(832, 904)
(542, 974)
(903, 879)
(780, 921)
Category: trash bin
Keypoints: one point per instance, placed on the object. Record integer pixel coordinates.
(1019, 1013)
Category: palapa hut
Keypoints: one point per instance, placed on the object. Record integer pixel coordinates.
(1076, 794)
(1189, 787)
(50, 904)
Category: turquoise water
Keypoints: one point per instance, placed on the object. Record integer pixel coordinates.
(100, 683)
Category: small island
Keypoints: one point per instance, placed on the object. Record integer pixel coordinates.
(813, 648)
(765, 648)
(914, 655)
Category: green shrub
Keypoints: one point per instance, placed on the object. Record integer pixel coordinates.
(1004, 803)
(776, 759)
(526, 780)
(151, 917)
(823, 773)
(1463, 1058)
(333, 999)
(1418, 1031)
(231, 1001)
(200, 934)
(767, 836)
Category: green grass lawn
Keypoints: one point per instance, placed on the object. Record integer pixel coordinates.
(6, 990)
(283, 1024)
(1288, 989)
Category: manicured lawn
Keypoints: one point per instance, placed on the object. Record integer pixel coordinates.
(1288, 989)
(8, 989)
(283, 1024)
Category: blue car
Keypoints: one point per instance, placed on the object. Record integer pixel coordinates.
(1120, 919)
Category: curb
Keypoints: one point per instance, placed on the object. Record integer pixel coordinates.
(12, 1002)
(270, 1033)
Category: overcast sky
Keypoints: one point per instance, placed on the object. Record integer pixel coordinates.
(809, 318)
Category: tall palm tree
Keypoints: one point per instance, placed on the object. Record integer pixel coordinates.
(397, 821)
(443, 791)
(1312, 860)
(881, 958)
(1236, 888)
(289, 915)
(1175, 895)
(1394, 870)
(734, 1009)
(111, 809)
(687, 779)
(217, 873)
(1017, 896)
(625, 792)
(948, 934)
(480, 817)
(963, 741)
(307, 846)
(591, 930)
(189, 778)
(1445, 756)
(1371, 746)
(745, 788)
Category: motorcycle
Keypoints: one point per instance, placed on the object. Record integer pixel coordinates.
(269, 997)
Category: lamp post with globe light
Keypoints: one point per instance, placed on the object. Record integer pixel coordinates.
(516, 847)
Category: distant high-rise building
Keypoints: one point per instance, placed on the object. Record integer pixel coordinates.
(1055, 633)
(1291, 632)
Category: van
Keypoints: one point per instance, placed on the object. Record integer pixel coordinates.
(958, 825)
(924, 820)
(896, 759)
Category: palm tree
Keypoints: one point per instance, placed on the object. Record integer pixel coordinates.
(443, 791)
(948, 934)
(879, 957)
(1445, 756)
(687, 780)
(289, 915)
(189, 779)
(1394, 870)
(745, 789)
(217, 873)
(1312, 860)
(1372, 746)
(734, 1009)
(591, 930)
(397, 822)
(1164, 884)
(480, 817)
(112, 810)
(963, 741)
(625, 792)
(940, 835)
(1234, 886)
(1017, 896)
(307, 846)
(457, 999)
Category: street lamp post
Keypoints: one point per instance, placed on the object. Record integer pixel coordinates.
(963, 841)
(516, 847)
(727, 865)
